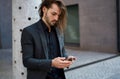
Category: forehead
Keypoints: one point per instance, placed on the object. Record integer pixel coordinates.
(55, 8)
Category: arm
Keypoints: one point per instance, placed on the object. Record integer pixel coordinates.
(29, 60)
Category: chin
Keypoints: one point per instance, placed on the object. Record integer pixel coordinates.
(52, 24)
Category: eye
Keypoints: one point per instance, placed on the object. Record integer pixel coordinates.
(53, 13)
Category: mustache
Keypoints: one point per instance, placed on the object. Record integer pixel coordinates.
(55, 21)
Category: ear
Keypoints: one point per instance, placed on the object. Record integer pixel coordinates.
(44, 9)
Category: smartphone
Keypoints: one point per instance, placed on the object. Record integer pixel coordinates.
(70, 59)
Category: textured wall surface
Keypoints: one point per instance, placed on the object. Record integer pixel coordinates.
(97, 22)
(24, 13)
(5, 23)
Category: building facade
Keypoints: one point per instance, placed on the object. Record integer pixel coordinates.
(97, 24)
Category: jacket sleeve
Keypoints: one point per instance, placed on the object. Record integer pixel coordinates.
(63, 49)
(29, 60)
(64, 52)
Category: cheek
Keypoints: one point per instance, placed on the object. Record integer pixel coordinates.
(50, 17)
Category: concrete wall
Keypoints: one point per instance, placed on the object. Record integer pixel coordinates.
(24, 13)
(5, 23)
(98, 29)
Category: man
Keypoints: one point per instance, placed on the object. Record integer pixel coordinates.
(42, 43)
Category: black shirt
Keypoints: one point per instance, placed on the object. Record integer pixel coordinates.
(52, 41)
(53, 48)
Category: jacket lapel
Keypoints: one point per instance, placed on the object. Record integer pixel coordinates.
(43, 39)
(60, 40)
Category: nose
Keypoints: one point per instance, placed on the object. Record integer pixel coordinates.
(56, 17)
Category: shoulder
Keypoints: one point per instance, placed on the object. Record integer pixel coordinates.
(31, 28)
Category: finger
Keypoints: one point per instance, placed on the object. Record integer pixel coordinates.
(63, 65)
(62, 58)
(66, 62)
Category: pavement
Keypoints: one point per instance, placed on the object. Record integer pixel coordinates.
(5, 64)
(89, 65)
(109, 69)
(94, 65)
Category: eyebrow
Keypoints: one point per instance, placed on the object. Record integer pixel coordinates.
(56, 12)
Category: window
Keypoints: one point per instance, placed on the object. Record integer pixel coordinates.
(72, 34)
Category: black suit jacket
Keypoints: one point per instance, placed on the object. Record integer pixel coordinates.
(35, 51)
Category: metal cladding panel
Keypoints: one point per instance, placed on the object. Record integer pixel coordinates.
(24, 13)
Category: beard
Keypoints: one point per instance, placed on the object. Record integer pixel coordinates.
(50, 23)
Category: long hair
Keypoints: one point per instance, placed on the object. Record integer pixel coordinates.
(62, 18)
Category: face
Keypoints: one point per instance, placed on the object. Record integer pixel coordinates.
(51, 15)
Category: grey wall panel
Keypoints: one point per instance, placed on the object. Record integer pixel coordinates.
(5, 23)
(24, 13)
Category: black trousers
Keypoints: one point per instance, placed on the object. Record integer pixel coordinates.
(53, 74)
(50, 77)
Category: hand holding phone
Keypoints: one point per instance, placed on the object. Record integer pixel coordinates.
(70, 58)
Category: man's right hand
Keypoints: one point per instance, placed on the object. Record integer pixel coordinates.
(60, 62)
